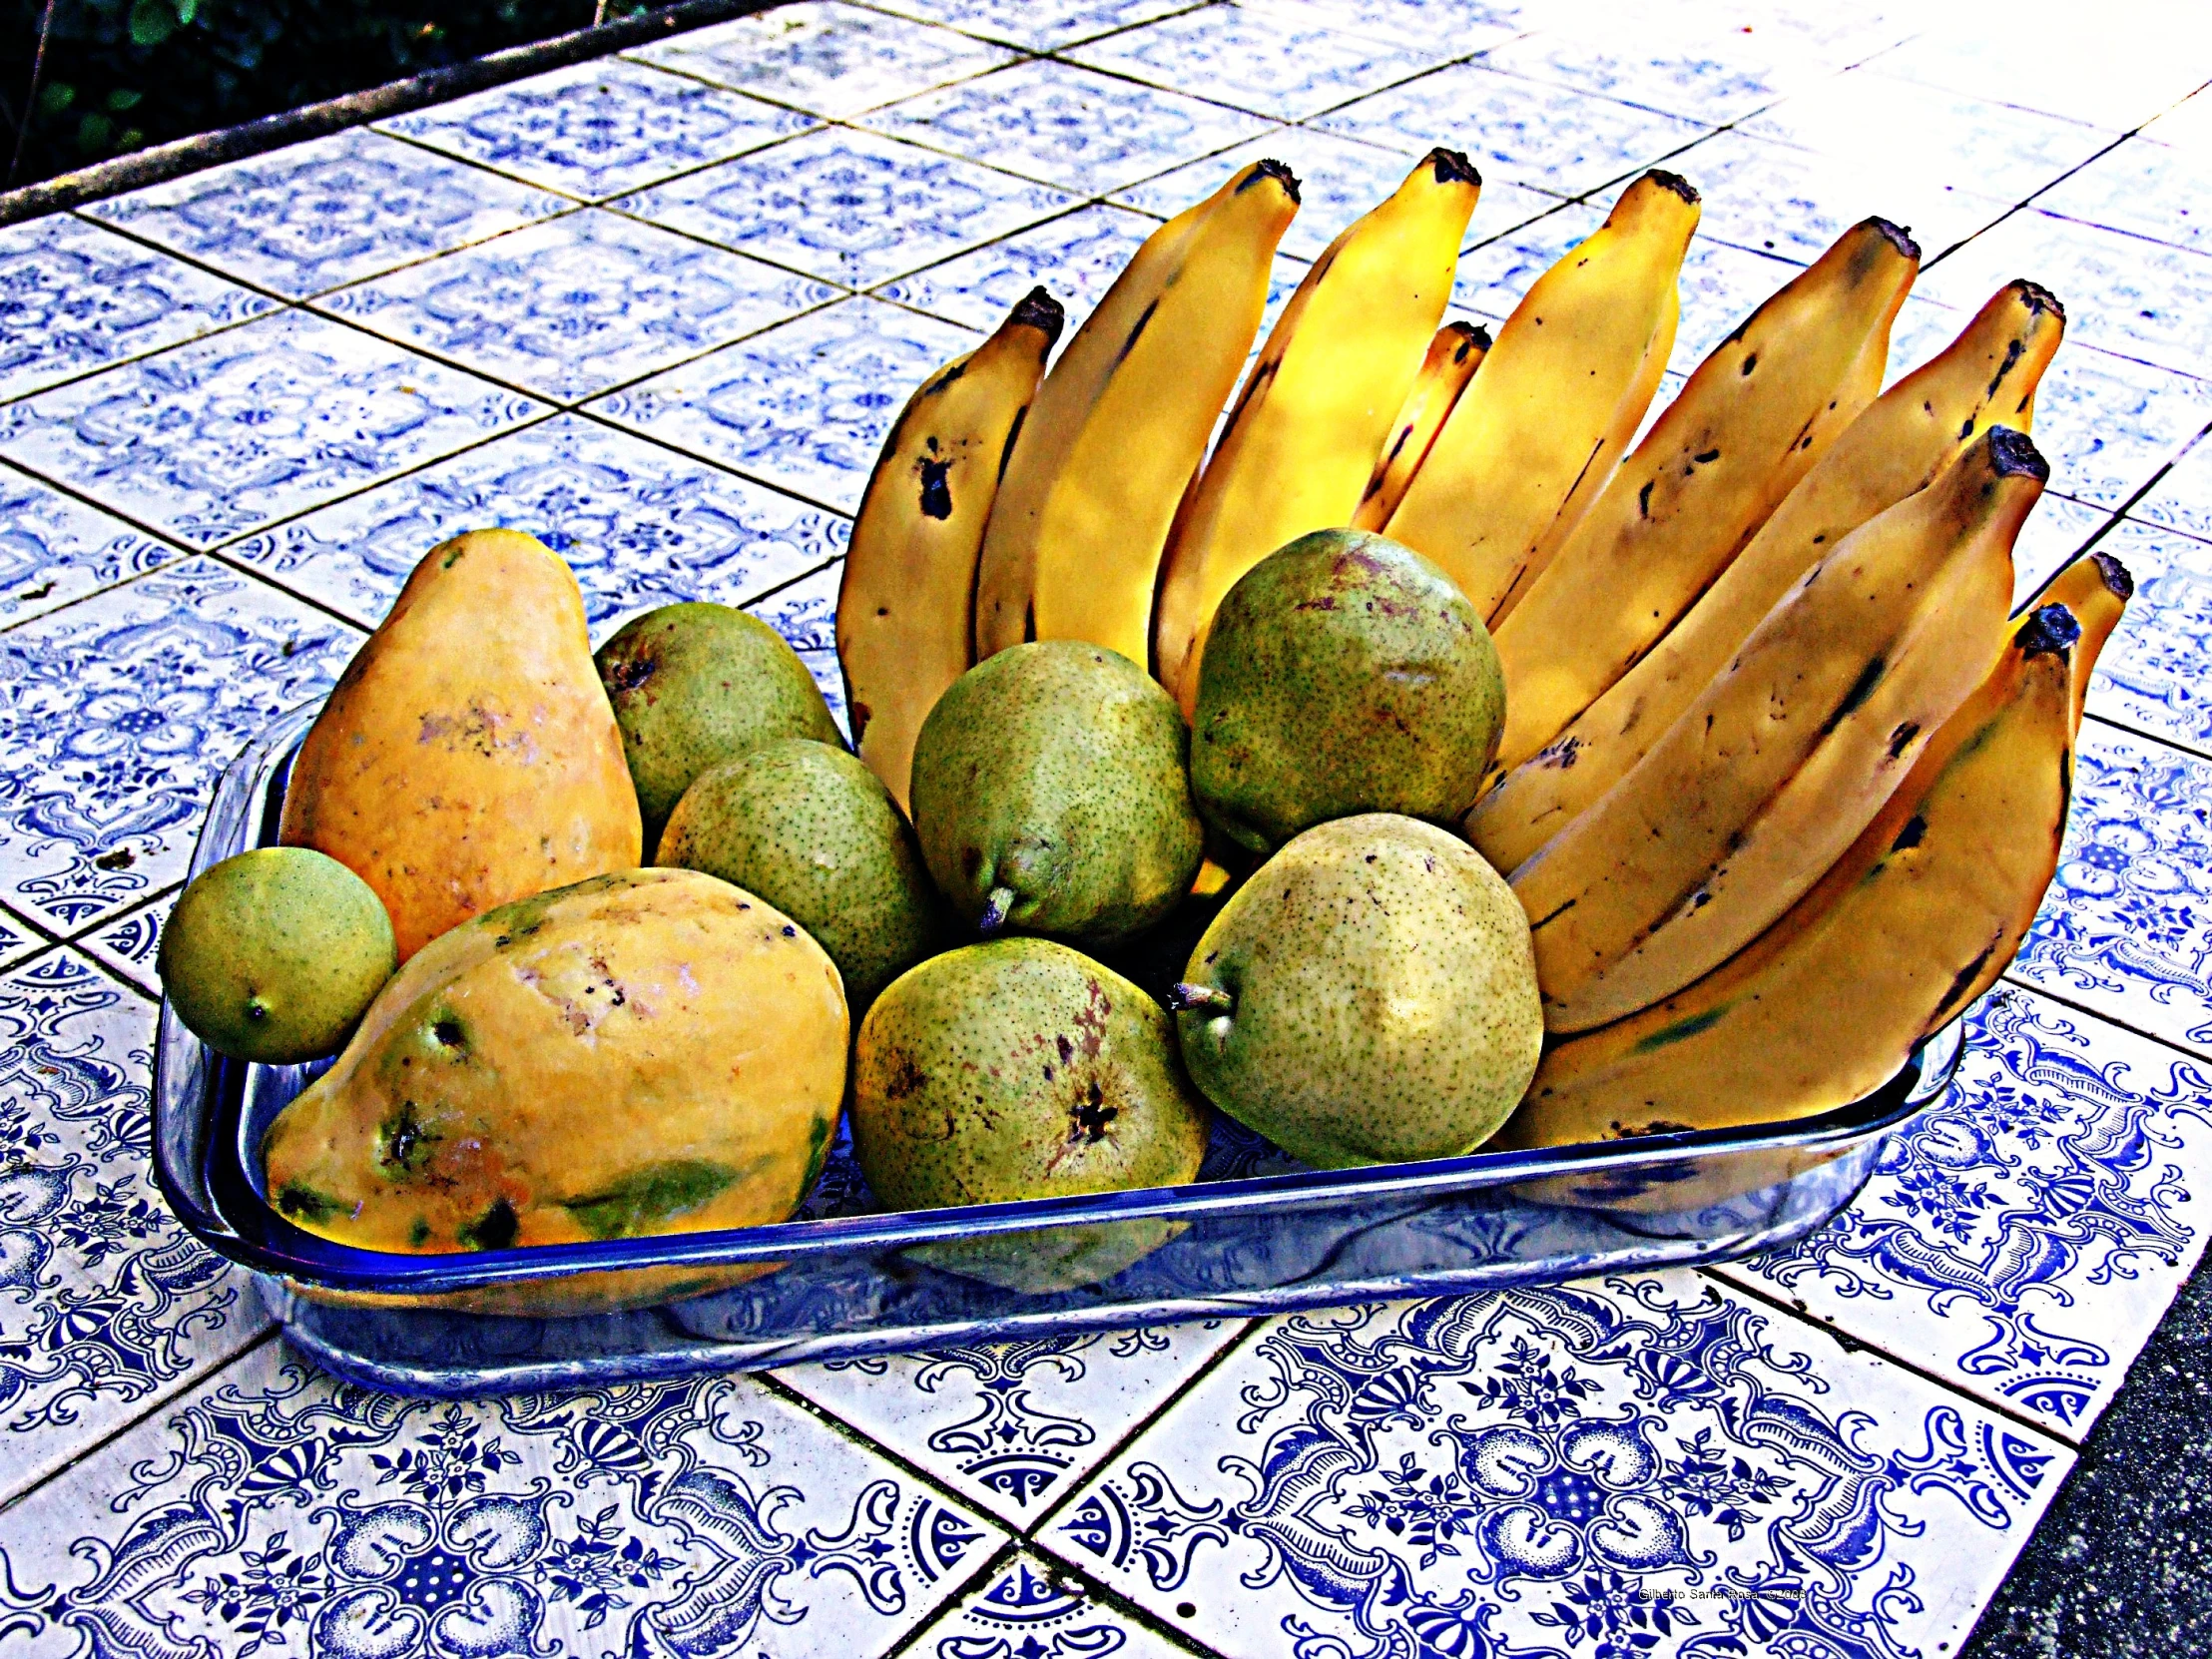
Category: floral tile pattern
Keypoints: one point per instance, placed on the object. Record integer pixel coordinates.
(116, 715)
(2056, 530)
(1037, 25)
(2024, 1236)
(55, 549)
(299, 220)
(831, 59)
(594, 130)
(106, 1304)
(1013, 1426)
(17, 940)
(805, 406)
(1711, 80)
(2182, 499)
(216, 439)
(1067, 126)
(1077, 255)
(127, 945)
(1036, 1609)
(1654, 1465)
(1466, 26)
(274, 1507)
(2143, 188)
(1494, 275)
(2107, 424)
(75, 298)
(639, 524)
(2102, 77)
(806, 614)
(849, 206)
(572, 307)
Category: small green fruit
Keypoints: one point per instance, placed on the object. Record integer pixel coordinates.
(1343, 673)
(274, 955)
(810, 829)
(696, 685)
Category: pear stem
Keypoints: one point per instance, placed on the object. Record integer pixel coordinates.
(1182, 996)
(996, 906)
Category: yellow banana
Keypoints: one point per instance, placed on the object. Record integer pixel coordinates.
(2095, 588)
(1753, 420)
(1899, 443)
(1911, 924)
(906, 622)
(1536, 434)
(1779, 764)
(1318, 404)
(1453, 356)
(1120, 423)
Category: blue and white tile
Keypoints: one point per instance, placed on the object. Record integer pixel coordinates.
(825, 58)
(2186, 126)
(212, 439)
(2143, 188)
(54, 549)
(1035, 25)
(2140, 300)
(805, 405)
(806, 614)
(1067, 126)
(576, 306)
(2024, 1236)
(1036, 1609)
(1710, 79)
(2118, 75)
(1518, 132)
(639, 526)
(76, 296)
(2126, 931)
(1014, 1427)
(2182, 499)
(599, 128)
(1493, 275)
(1077, 256)
(1278, 62)
(1465, 26)
(849, 206)
(1657, 1466)
(105, 1304)
(308, 218)
(2058, 530)
(274, 1507)
(117, 714)
(18, 939)
(129, 945)
(2108, 425)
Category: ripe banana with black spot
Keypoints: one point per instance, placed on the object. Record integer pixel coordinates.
(906, 606)
(1120, 424)
(1536, 435)
(1770, 773)
(1316, 408)
(1896, 447)
(1757, 413)
(2095, 588)
(1453, 356)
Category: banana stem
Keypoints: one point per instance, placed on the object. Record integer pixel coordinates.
(1182, 996)
(996, 905)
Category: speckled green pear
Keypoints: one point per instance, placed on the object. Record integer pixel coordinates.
(1020, 1069)
(1368, 996)
(1343, 673)
(274, 955)
(1051, 794)
(810, 829)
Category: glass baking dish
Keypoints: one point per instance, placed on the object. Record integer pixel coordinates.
(1254, 1234)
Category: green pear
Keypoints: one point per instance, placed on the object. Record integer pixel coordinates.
(1343, 673)
(1050, 795)
(1368, 996)
(810, 829)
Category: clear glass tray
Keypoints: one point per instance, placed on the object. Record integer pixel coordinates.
(1257, 1233)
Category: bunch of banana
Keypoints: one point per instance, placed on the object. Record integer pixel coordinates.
(1919, 917)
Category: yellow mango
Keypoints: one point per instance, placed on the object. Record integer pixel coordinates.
(651, 1051)
(468, 755)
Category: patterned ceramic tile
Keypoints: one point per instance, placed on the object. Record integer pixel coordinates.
(1494, 276)
(2118, 75)
(2056, 531)
(804, 405)
(2182, 499)
(117, 712)
(2022, 1239)
(1461, 26)
(18, 939)
(1517, 131)
(274, 1507)
(2107, 425)
(75, 298)
(832, 60)
(1036, 24)
(1656, 1467)
(2143, 188)
(1014, 1427)
(55, 549)
(572, 307)
(306, 219)
(212, 439)
(806, 614)
(129, 944)
(1272, 61)
(2127, 929)
(1067, 126)
(598, 129)
(849, 206)
(1077, 256)
(1711, 80)
(2139, 298)
(2152, 675)
(639, 524)
(1034, 1609)
(105, 1304)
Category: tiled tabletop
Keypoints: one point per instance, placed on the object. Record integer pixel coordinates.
(659, 310)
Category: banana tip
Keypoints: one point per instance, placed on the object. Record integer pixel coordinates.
(1674, 182)
(1452, 167)
(1278, 170)
(2038, 298)
(1038, 309)
(1898, 236)
(2117, 581)
(2014, 453)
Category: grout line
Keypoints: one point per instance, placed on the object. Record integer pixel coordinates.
(2105, 1017)
(773, 1380)
(998, 1560)
(1098, 1590)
